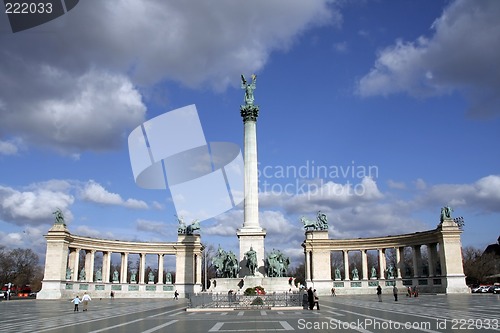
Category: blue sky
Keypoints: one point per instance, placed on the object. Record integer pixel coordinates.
(406, 89)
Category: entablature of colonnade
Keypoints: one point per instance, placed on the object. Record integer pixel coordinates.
(356, 244)
(97, 244)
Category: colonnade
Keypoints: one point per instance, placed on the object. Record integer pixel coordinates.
(444, 261)
(62, 274)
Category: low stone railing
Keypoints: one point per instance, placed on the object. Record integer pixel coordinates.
(236, 301)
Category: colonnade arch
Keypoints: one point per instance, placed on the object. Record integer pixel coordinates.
(430, 260)
(66, 276)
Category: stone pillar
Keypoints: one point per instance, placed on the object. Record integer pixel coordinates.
(71, 262)
(364, 265)
(417, 261)
(400, 254)
(308, 257)
(89, 265)
(186, 268)
(142, 267)
(124, 267)
(251, 234)
(106, 266)
(433, 259)
(450, 247)
(160, 268)
(381, 263)
(346, 265)
(199, 267)
(56, 259)
(76, 271)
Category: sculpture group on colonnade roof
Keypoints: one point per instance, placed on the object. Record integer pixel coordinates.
(184, 229)
(321, 222)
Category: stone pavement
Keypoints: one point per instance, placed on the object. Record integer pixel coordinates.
(427, 313)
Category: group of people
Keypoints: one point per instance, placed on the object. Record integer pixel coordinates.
(312, 299)
(85, 300)
(394, 293)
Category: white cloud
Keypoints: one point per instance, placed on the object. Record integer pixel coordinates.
(8, 148)
(458, 56)
(396, 185)
(74, 88)
(155, 227)
(33, 206)
(95, 192)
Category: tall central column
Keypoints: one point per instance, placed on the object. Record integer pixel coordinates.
(251, 235)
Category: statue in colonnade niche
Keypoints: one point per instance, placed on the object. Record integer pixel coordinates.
(115, 276)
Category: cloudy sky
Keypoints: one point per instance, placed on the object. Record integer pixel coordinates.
(377, 113)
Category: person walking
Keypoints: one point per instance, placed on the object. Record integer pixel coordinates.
(76, 301)
(176, 295)
(310, 298)
(85, 300)
(316, 300)
(395, 293)
(379, 293)
(333, 292)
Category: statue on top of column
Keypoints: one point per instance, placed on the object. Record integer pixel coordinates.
(446, 213)
(249, 88)
(59, 217)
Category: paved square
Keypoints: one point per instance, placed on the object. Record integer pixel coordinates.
(427, 313)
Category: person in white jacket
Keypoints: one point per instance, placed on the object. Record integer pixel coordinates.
(85, 299)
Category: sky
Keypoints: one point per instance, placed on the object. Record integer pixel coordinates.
(378, 113)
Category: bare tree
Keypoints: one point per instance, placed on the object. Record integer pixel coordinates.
(477, 266)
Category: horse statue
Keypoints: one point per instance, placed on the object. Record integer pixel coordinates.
(277, 264)
(308, 223)
(218, 262)
(231, 265)
(322, 221)
(195, 225)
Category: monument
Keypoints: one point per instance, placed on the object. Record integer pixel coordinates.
(250, 235)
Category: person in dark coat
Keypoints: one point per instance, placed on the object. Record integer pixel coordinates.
(310, 298)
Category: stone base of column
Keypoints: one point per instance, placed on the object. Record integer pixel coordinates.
(456, 284)
(250, 237)
(51, 290)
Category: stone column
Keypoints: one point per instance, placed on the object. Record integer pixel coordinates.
(346, 265)
(381, 263)
(188, 252)
(89, 265)
(71, 262)
(417, 261)
(433, 258)
(76, 271)
(308, 255)
(160, 268)
(142, 267)
(364, 265)
(199, 267)
(106, 266)
(124, 267)
(400, 254)
(450, 248)
(251, 234)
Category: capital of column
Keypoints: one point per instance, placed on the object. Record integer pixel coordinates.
(249, 112)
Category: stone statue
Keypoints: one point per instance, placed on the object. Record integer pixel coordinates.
(337, 274)
(445, 213)
(251, 256)
(68, 273)
(249, 88)
(115, 276)
(98, 275)
(321, 222)
(181, 229)
(59, 217)
(374, 273)
(169, 278)
(390, 272)
(151, 277)
(277, 264)
(133, 277)
(355, 275)
(195, 225)
(82, 276)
